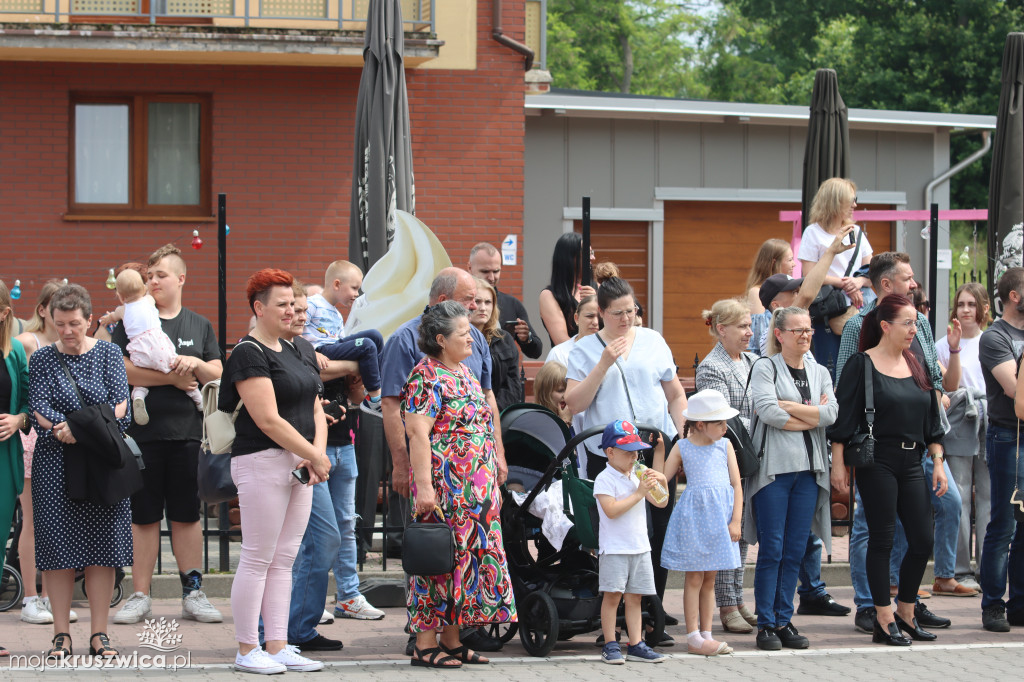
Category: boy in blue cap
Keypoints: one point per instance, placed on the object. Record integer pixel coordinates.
(624, 556)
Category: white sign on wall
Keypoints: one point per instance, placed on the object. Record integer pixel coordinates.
(508, 250)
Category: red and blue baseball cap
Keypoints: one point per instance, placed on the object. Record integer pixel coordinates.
(623, 435)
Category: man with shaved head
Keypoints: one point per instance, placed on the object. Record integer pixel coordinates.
(485, 263)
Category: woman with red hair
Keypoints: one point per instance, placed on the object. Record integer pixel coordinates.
(906, 425)
(280, 430)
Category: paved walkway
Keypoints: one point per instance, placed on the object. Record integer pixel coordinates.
(378, 648)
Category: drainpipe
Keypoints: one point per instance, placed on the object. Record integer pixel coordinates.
(499, 35)
(929, 189)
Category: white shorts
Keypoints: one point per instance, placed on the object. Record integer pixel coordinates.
(153, 349)
(628, 573)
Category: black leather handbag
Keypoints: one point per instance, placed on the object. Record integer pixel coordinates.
(831, 301)
(428, 548)
(860, 451)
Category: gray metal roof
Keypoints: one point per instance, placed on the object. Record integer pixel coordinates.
(611, 105)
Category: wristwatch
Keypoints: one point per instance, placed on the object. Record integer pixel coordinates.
(938, 457)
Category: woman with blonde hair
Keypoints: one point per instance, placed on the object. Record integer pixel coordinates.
(39, 332)
(13, 418)
(506, 382)
(549, 390)
(774, 257)
(832, 210)
(725, 369)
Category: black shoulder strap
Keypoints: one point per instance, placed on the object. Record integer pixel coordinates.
(67, 373)
(869, 394)
(625, 384)
(856, 252)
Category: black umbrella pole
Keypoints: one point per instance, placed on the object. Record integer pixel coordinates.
(222, 272)
(586, 273)
(933, 264)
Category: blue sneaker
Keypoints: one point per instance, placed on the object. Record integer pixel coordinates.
(643, 653)
(611, 653)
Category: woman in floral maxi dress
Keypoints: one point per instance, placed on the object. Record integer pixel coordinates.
(454, 468)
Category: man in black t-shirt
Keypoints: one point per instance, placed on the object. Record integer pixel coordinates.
(485, 263)
(170, 445)
(1000, 350)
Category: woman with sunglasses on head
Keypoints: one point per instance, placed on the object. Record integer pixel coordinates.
(789, 496)
(906, 424)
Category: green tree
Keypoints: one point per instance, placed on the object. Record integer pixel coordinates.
(630, 46)
(912, 55)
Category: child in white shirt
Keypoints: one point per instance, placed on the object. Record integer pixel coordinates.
(624, 556)
(148, 346)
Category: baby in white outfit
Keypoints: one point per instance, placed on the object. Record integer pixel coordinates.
(148, 346)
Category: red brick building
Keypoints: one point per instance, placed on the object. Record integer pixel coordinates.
(275, 127)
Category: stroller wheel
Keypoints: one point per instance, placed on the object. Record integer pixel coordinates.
(538, 623)
(502, 631)
(11, 588)
(653, 616)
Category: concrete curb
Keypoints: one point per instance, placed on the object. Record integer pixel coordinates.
(219, 584)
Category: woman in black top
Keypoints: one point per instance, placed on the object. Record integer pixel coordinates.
(907, 422)
(280, 428)
(506, 382)
(559, 299)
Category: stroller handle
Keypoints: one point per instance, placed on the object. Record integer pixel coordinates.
(571, 446)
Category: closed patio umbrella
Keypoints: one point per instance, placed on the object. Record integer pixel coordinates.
(382, 178)
(827, 154)
(1006, 185)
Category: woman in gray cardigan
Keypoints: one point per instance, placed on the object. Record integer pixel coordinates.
(793, 403)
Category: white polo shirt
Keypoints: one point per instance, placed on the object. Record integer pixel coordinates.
(626, 534)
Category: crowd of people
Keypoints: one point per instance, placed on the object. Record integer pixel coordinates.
(930, 426)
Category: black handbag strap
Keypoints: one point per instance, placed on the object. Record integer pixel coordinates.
(869, 395)
(853, 258)
(625, 384)
(775, 378)
(67, 373)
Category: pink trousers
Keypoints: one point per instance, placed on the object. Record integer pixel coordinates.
(275, 510)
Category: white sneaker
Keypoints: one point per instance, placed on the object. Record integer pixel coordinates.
(197, 607)
(259, 662)
(970, 582)
(139, 411)
(357, 608)
(72, 616)
(35, 611)
(138, 607)
(295, 662)
(327, 618)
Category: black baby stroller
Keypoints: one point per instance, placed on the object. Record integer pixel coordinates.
(556, 588)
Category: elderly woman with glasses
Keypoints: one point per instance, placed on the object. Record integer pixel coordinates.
(789, 496)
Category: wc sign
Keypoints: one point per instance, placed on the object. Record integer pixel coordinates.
(508, 250)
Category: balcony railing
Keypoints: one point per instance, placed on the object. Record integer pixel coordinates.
(417, 15)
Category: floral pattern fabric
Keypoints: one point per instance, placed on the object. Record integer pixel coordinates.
(464, 473)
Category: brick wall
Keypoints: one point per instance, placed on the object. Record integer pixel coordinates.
(282, 145)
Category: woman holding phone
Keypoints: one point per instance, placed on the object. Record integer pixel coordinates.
(280, 436)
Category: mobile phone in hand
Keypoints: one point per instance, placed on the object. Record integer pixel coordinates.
(335, 410)
(302, 475)
(849, 238)
(510, 325)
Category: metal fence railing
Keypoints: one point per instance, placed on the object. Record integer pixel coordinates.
(417, 15)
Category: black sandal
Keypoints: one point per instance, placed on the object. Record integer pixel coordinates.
(428, 658)
(464, 654)
(59, 650)
(105, 649)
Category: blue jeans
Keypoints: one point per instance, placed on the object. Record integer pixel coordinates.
(998, 564)
(811, 584)
(329, 542)
(858, 556)
(784, 509)
(947, 528)
(826, 348)
(366, 348)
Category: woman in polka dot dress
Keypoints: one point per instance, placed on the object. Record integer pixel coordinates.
(702, 534)
(73, 534)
